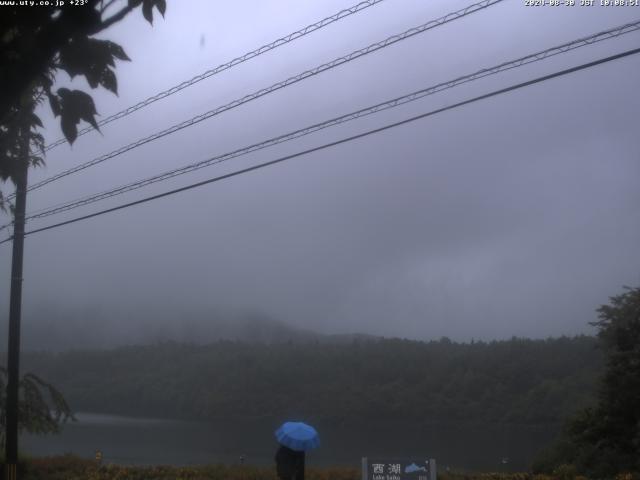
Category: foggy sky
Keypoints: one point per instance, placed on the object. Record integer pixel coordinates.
(517, 215)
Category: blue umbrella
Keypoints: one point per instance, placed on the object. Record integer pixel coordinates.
(298, 436)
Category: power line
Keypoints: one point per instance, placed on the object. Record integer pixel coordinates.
(344, 140)
(528, 59)
(277, 86)
(230, 64)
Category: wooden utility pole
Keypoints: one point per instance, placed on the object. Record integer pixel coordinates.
(15, 307)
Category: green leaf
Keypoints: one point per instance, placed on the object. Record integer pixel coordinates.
(109, 81)
(36, 161)
(86, 107)
(76, 105)
(93, 78)
(161, 5)
(36, 120)
(147, 10)
(38, 141)
(118, 52)
(69, 128)
(92, 58)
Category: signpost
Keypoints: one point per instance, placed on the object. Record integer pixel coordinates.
(398, 468)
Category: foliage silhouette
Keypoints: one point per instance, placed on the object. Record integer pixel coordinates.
(42, 408)
(603, 440)
(37, 43)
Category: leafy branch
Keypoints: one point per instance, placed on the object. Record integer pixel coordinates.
(36, 44)
(41, 409)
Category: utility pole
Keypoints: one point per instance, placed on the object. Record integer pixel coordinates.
(15, 307)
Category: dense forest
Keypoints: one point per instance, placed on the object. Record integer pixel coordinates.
(518, 381)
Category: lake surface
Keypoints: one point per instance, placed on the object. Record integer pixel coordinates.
(139, 441)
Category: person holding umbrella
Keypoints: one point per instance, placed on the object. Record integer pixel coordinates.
(295, 439)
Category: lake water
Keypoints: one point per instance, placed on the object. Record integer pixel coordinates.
(125, 440)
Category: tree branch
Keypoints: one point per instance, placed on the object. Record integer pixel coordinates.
(104, 8)
(46, 45)
(114, 18)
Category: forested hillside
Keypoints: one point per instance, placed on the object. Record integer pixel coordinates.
(516, 381)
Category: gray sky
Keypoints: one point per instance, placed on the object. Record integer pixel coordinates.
(513, 216)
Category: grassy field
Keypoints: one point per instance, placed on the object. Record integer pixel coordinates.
(73, 468)
(69, 467)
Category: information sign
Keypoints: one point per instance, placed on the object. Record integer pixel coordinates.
(374, 468)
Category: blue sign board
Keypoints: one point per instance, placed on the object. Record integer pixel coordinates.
(374, 468)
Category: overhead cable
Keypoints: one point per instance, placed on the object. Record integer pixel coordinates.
(502, 67)
(226, 66)
(277, 86)
(343, 140)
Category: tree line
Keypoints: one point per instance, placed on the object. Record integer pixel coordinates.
(519, 381)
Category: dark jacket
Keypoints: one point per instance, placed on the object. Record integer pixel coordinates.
(289, 464)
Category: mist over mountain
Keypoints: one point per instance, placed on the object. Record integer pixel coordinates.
(51, 328)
